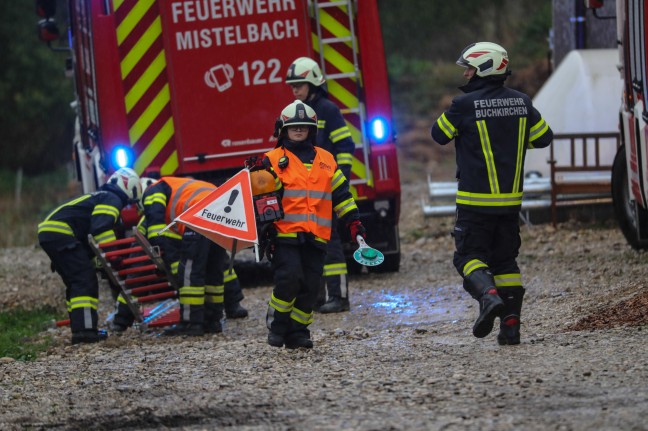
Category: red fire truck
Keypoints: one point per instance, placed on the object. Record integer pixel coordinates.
(630, 167)
(192, 87)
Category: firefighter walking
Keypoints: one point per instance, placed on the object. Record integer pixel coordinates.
(308, 85)
(493, 127)
(63, 235)
(311, 188)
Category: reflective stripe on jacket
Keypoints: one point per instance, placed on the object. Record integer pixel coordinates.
(307, 197)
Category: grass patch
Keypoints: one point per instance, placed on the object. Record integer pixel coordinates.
(19, 329)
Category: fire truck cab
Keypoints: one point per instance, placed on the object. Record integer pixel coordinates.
(193, 88)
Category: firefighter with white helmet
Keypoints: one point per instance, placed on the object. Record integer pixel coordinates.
(63, 235)
(311, 187)
(493, 126)
(308, 85)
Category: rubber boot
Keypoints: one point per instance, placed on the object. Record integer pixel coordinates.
(509, 333)
(192, 324)
(213, 317)
(123, 318)
(481, 286)
(335, 304)
(235, 311)
(279, 324)
(88, 336)
(298, 336)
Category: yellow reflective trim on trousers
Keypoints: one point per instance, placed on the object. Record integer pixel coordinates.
(145, 81)
(539, 129)
(132, 19)
(520, 153)
(174, 267)
(279, 305)
(286, 235)
(473, 265)
(141, 46)
(335, 269)
(106, 236)
(155, 146)
(191, 295)
(171, 164)
(446, 126)
(301, 316)
(55, 226)
(214, 294)
(121, 299)
(505, 280)
(83, 302)
(171, 235)
(227, 277)
(489, 159)
(489, 200)
(149, 115)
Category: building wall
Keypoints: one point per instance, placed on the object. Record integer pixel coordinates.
(575, 27)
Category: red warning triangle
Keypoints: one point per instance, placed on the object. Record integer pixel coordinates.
(226, 214)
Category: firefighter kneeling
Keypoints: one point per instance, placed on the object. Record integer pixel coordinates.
(311, 187)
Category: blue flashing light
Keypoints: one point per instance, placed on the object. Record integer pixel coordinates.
(122, 157)
(379, 129)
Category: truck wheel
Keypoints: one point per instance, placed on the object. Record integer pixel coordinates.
(390, 264)
(627, 213)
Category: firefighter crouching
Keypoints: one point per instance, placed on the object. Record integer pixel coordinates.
(63, 235)
(311, 187)
(492, 126)
(309, 86)
(202, 262)
(170, 245)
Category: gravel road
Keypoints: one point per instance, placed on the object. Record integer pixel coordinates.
(403, 358)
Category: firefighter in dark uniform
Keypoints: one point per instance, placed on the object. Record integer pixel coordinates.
(63, 235)
(201, 261)
(170, 243)
(493, 127)
(311, 188)
(308, 85)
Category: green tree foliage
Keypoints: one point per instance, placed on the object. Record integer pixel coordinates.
(35, 116)
(423, 39)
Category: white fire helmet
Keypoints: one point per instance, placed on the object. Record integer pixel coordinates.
(305, 69)
(146, 182)
(298, 113)
(486, 57)
(128, 181)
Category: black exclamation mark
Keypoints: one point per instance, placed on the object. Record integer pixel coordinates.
(231, 200)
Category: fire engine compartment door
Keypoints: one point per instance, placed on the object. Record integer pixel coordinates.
(228, 62)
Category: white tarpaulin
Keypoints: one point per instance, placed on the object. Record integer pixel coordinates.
(583, 95)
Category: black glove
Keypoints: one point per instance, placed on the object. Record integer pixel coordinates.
(267, 241)
(356, 228)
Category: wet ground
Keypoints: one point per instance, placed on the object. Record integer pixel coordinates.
(403, 358)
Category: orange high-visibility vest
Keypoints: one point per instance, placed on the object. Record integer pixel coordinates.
(185, 192)
(307, 199)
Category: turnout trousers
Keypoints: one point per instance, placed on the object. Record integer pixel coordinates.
(71, 259)
(297, 270)
(200, 274)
